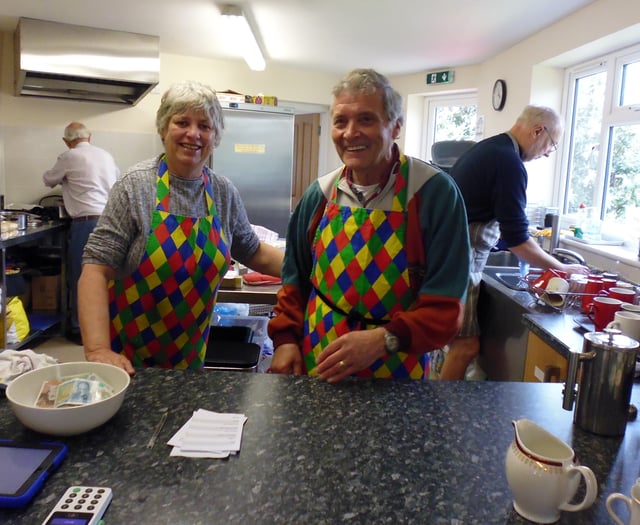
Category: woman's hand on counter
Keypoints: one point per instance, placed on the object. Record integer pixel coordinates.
(106, 355)
(287, 359)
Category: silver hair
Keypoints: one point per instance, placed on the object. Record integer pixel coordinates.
(533, 115)
(186, 96)
(75, 131)
(369, 81)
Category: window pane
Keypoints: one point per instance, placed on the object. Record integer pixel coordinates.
(455, 123)
(630, 93)
(585, 134)
(623, 188)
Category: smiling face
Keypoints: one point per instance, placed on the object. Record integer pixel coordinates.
(188, 141)
(363, 135)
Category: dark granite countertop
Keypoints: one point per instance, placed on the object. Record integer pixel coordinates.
(364, 451)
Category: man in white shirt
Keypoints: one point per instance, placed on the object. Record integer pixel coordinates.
(86, 174)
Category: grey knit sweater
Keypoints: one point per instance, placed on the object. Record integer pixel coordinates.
(120, 237)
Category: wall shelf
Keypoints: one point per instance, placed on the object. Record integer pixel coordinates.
(41, 322)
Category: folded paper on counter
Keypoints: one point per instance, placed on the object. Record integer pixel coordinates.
(208, 435)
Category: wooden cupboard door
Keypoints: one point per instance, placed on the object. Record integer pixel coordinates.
(306, 145)
(543, 364)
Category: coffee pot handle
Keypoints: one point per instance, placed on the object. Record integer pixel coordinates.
(569, 394)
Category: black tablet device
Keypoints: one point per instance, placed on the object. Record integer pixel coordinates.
(24, 469)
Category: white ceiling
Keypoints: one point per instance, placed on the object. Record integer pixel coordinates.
(392, 36)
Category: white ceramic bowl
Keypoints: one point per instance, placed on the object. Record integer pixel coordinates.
(65, 421)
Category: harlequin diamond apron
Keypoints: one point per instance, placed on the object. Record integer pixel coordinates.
(360, 279)
(160, 314)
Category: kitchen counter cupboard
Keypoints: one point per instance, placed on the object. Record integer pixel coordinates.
(551, 338)
(52, 233)
(503, 336)
(360, 452)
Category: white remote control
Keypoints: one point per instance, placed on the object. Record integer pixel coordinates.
(80, 506)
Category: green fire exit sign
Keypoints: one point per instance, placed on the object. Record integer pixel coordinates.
(440, 77)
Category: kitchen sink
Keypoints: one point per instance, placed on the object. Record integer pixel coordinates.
(508, 276)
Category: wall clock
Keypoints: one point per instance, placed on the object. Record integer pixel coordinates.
(499, 95)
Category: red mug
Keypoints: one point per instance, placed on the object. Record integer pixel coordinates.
(626, 295)
(540, 282)
(603, 310)
(607, 283)
(592, 288)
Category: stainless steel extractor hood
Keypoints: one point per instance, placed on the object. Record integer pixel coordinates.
(84, 63)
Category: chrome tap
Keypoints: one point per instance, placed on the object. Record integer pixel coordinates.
(554, 241)
(563, 252)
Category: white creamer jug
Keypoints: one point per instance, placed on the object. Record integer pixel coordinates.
(543, 474)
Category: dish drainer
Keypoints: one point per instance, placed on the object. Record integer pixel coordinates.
(571, 299)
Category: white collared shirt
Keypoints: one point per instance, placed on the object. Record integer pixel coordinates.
(86, 174)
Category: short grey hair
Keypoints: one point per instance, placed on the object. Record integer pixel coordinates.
(75, 131)
(368, 81)
(186, 96)
(533, 115)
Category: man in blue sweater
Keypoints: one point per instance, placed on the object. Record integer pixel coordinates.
(493, 181)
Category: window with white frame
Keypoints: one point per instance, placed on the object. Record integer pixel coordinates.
(601, 164)
(449, 117)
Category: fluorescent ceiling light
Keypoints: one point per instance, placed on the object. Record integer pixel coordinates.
(239, 32)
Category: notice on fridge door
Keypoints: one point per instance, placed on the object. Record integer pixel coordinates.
(259, 149)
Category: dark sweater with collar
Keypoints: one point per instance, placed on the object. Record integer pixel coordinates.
(493, 182)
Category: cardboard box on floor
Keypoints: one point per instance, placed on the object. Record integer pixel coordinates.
(45, 292)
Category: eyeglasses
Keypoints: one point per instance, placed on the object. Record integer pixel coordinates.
(554, 145)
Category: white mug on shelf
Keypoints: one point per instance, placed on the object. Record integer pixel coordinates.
(633, 504)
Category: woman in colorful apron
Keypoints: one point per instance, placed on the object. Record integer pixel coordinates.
(161, 313)
(154, 263)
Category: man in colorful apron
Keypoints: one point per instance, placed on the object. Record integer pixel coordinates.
(377, 256)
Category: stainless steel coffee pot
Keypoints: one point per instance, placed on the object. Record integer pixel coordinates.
(604, 373)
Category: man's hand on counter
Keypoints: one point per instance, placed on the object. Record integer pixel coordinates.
(106, 355)
(577, 269)
(350, 353)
